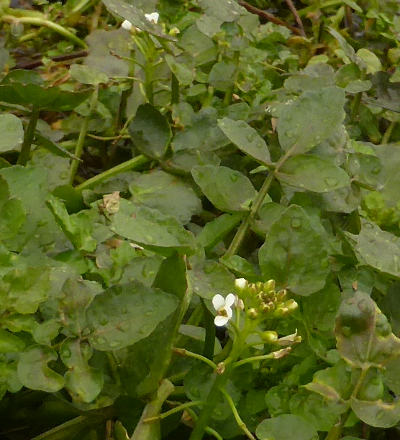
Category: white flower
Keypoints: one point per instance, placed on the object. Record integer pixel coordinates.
(223, 307)
(153, 17)
(127, 25)
(240, 283)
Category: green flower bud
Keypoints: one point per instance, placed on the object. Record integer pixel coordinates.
(281, 295)
(269, 336)
(252, 313)
(269, 286)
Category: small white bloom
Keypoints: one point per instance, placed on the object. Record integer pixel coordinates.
(127, 25)
(153, 17)
(223, 307)
(240, 283)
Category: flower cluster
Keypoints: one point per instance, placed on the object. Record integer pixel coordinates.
(265, 299)
(261, 298)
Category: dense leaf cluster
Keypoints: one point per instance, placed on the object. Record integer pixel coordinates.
(144, 168)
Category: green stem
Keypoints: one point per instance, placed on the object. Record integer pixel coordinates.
(236, 415)
(174, 411)
(254, 359)
(38, 21)
(199, 357)
(134, 163)
(244, 226)
(150, 431)
(82, 135)
(388, 132)
(28, 137)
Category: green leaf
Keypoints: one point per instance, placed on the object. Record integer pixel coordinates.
(222, 76)
(12, 213)
(150, 131)
(87, 75)
(77, 227)
(224, 10)
(34, 373)
(295, 254)
(286, 427)
(370, 59)
(25, 89)
(378, 414)
(376, 248)
(229, 190)
(13, 132)
(10, 343)
(125, 314)
(266, 216)
(364, 336)
(53, 147)
(309, 120)
(210, 277)
(167, 193)
(246, 139)
(24, 288)
(81, 380)
(183, 72)
(215, 230)
(150, 227)
(313, 174)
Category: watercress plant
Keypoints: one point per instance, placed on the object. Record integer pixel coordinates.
(199, 220)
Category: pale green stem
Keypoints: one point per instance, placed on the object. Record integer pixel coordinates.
(253, 359)
(37, 21)
(388, 132)
(82, 135)
(174, 411)
(236, 415)
(134, 163)
(150, 431)
(187, 353)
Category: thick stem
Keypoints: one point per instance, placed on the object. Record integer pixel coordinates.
(38, 21)
(151, 431)
(28, 137)
(82, 136)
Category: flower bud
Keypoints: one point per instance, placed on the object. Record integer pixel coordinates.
(269, 286)
(281, 295)
(252, 313)
(240, 283)
(127, 25)
(291, 305)
(269, 336)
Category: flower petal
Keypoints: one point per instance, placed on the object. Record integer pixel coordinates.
(127, 25)
(218, 301)
(240, 283)
(230, 300)
(220, 321)
(228, 311)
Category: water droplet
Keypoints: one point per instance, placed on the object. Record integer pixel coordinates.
(103, 321)
(234, 177)
(331, 181)
(289, 134)
(250, 137)
(149, 238)
(376, 170)
(148, 313)
(295, 223)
